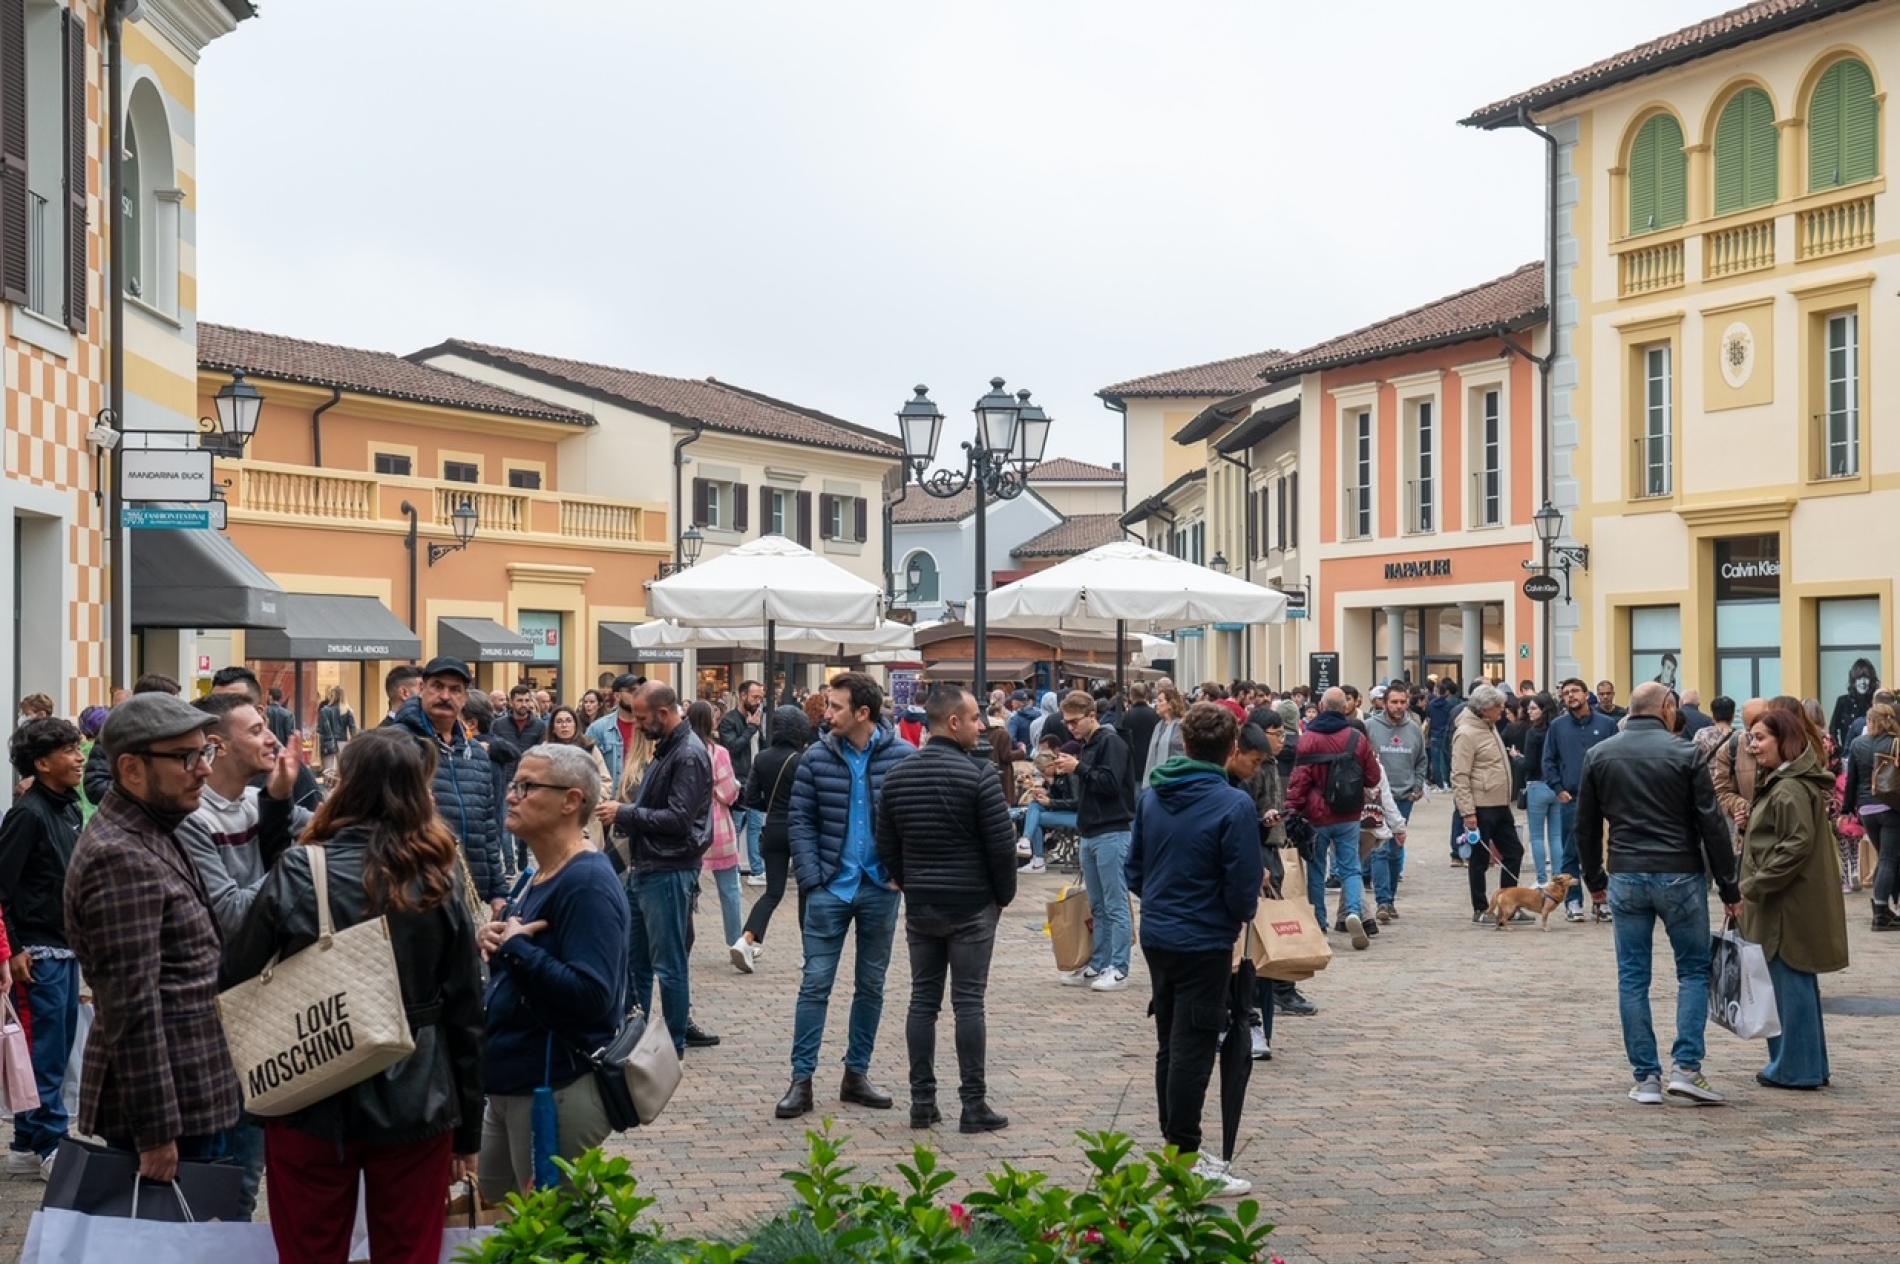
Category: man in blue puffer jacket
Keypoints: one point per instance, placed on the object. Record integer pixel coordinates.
(464, 786)
(1195, 861)
(834, 858)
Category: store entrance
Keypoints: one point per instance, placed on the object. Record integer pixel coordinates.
(1748, 616)
(1434, 644)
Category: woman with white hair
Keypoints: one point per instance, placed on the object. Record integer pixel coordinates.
(1481, 785)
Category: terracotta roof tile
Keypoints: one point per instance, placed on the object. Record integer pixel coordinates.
(1725, 30)
(224, 349)
(1216, 377)
(1073, 536)
(715, 404)
(920, 506)
(1066, 469)
(1513, 301)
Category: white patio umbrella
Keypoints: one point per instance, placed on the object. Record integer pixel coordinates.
(1108, 588)
(767, 582)
(667, 634)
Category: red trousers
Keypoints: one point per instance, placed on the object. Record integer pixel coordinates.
(312, 1189)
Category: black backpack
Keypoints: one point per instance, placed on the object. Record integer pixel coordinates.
(1345, 788)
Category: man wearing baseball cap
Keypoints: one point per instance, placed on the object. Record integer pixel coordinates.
(158, 1079)
(464, 784)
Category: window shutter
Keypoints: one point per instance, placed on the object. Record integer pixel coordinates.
(13, 150)
(73, 31)
(700, 507)
(824, 516)
(1824, 131)
(765, 511)
(1732, 154)
(862, 511)
(1764, 151)
(1280, 523)
(741, 507)
(1672, 173)
(1860, 124)
(804, 519)
(1293, 510)
(1642, 180)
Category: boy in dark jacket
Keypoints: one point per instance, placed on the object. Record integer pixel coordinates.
(945, 838)
(1105, 807)
(1194, 858)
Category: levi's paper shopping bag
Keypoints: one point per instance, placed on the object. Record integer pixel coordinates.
(1291, 945)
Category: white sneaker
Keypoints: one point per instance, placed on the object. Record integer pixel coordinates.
(1033, 866)
(755, 880)
(1228, 1185)
(743, 955)
(46, 1166)
(1647, 1092)
(1079, 978)
(1692, 1087)
(1262, 1052)
(1111, 980)
(23, 1163)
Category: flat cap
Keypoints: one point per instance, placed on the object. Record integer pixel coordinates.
(146, 718)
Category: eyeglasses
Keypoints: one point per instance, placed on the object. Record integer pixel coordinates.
(191, 760)
(522, 789)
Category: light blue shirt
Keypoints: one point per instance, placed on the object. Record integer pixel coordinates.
(860, 848)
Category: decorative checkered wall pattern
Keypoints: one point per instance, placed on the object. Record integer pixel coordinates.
(50, 404)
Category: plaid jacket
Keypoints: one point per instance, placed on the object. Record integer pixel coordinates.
(157, 1067)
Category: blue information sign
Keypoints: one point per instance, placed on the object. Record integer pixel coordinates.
(153, 518)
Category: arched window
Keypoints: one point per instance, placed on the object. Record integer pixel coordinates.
(132, 199)
(920, 577)
(1746, 170)
(150, 211)
(1843, 127)
(1658, 177)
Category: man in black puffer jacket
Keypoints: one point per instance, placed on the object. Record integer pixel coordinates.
(464, 786)
(945, 838)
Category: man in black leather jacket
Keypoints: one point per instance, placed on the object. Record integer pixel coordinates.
(1667, 838)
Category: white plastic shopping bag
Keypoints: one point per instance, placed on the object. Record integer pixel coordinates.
(70, 1237)
(1741, 994)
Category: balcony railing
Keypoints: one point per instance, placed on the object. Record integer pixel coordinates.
(1739, 248)
(1358, 513)
(1650, 268)
(1836, 228)
(265, 490)
(36, 252)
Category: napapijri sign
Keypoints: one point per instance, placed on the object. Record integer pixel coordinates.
(1419, 568)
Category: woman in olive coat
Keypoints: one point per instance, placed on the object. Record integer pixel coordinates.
(1791, 893)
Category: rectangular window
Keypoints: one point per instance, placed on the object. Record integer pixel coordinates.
(1655, 645)
(836, 528)
(461, 472)
(715, 515)
(1489, 476)
(1843, 396)
(1424, 476)
(781, 515)
(1359, 489)
(396, 464)
(1847, 629)
(1279, 522)
(525, 480)
(1658, 441)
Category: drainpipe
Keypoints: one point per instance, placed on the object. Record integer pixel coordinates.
(1115, 405)
(316, 428)
(1523, 120)
(679, 463)
(1246, 548)
(890, 563)
(119, 594)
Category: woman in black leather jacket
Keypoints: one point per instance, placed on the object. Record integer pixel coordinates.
(415, 1127)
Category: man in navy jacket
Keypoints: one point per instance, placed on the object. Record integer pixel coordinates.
(1569, 739)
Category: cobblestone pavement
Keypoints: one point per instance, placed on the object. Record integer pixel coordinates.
(1460, 1097)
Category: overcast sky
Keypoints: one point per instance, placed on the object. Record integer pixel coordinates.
(831, 201)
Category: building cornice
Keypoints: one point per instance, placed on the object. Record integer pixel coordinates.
(188, 25)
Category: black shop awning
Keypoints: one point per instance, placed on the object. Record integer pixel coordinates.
(321, 628)
(617, 648)
(199, 579)
(482, 641)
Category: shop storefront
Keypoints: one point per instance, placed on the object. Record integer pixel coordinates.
(330, 640)
(542, 630)
(1449, 614)
(482, 644)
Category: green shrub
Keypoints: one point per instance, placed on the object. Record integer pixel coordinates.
(1149, 1210)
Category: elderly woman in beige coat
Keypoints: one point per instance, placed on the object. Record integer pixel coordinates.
(1481, 784)
(1791, 893)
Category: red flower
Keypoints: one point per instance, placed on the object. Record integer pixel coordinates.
(1093, 1237)
(960, 1217)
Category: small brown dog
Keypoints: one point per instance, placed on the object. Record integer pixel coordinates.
(1544, 900)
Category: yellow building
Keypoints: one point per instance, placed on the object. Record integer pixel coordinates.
(1726, 264)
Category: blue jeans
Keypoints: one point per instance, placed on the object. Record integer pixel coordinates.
(1441, 759)
(1035, 816)
(1388, 861)
(1546, 840)
(52, 1004)
(1342, 842)
(1798, 1056)
(659, 906)
(1103, 858)
(1564, 821)
(752, 821)
(1681, 902)
(731, 904)
(827, 919)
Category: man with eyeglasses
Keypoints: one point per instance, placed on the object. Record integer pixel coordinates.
(158, 1079)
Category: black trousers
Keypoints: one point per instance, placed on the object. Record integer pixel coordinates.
(1883, 829)
(959, 947)
(1499, 828)
(777, 866)
(1190, 1008)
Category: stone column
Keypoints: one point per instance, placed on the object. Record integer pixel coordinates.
(1394, 642)
(1473, 612)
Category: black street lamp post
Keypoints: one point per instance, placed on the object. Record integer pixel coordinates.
(1011, 434)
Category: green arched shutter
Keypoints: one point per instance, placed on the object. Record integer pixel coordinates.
(1843, 127)
(1658, 176)
(1745, 160)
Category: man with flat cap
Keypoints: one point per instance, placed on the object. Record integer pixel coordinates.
(158, 1079)
(464, 786)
